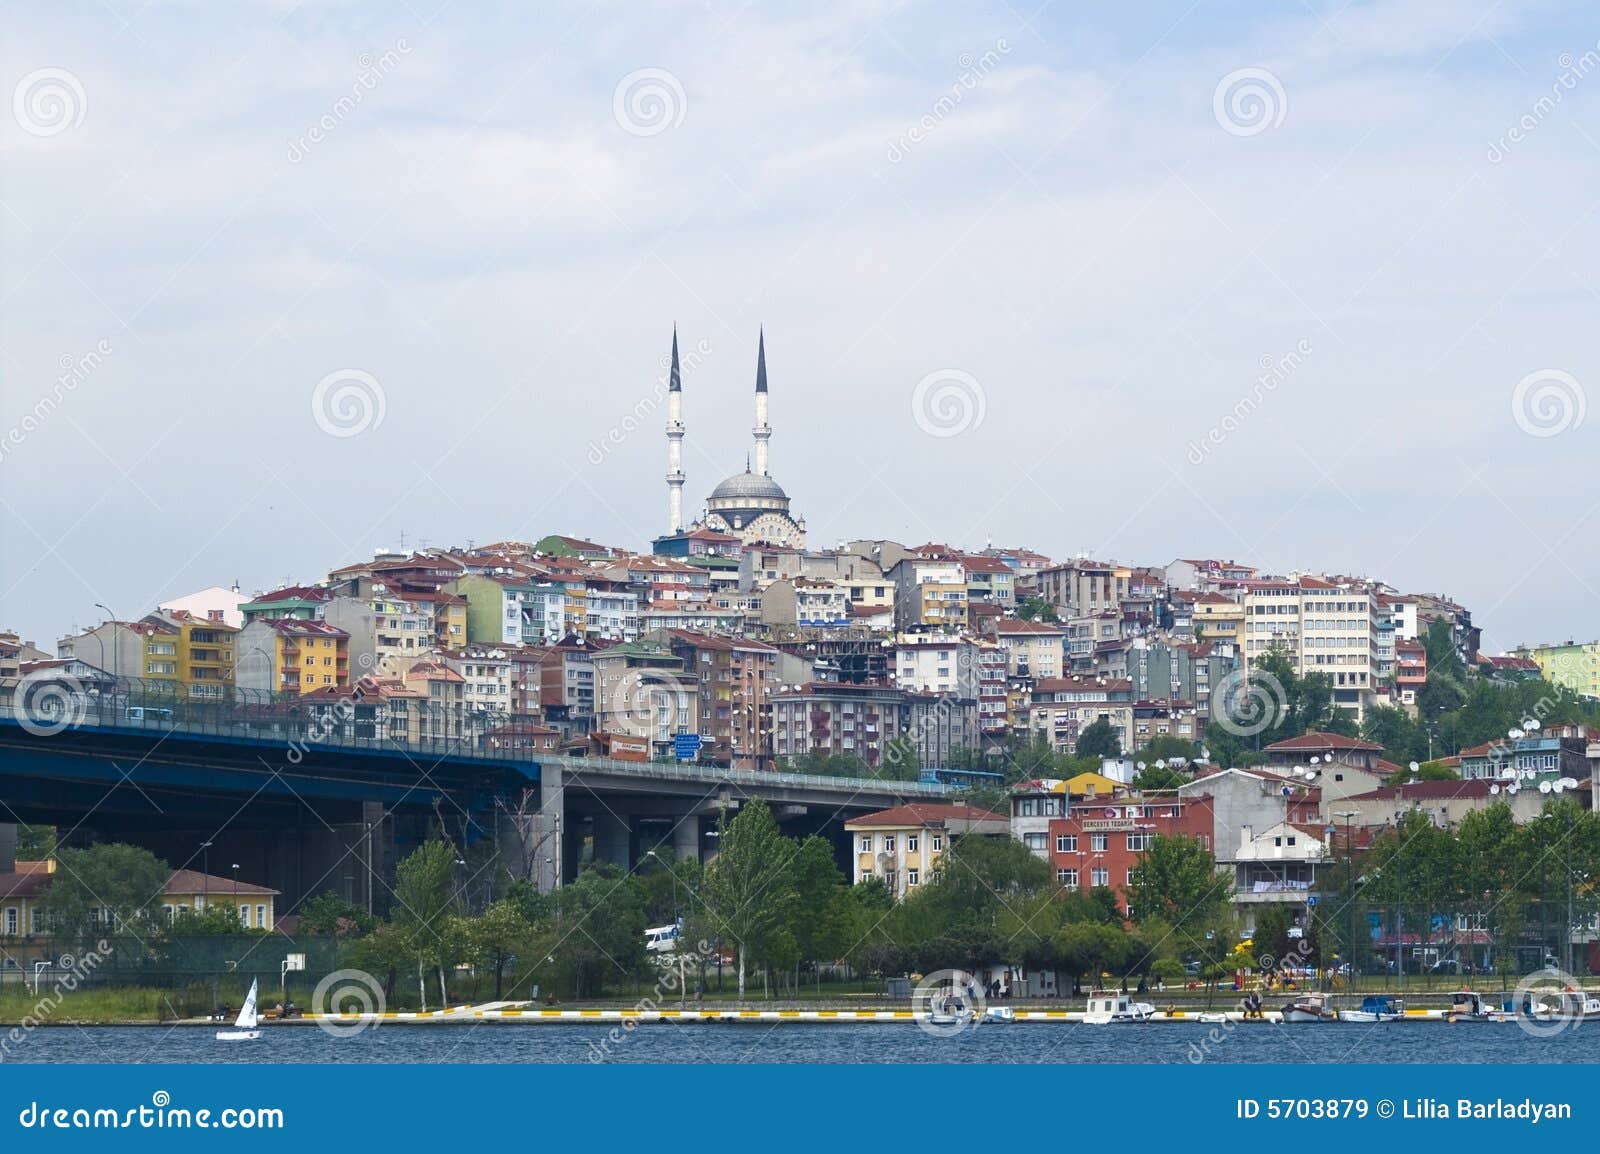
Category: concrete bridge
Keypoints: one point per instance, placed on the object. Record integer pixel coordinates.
(305, 806)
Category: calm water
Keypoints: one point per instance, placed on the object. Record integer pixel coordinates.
(1398, 1042)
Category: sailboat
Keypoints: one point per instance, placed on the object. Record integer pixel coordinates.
(244, 1026)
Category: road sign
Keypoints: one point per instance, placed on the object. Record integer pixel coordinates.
(686, 746)
(1311, 899)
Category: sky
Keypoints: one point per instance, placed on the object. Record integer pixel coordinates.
(1312, 287)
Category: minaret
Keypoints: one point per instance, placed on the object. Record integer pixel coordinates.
(762, 429)
(675, 441)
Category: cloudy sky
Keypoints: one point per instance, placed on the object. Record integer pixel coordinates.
(286, 283)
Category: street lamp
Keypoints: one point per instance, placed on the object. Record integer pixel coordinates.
(1349, 894)
(205, 871)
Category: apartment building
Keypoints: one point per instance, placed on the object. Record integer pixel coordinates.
(291, 656)
(1083, 588)
(736, 677)
(902, 846)
(930, 593)
(1032, 648)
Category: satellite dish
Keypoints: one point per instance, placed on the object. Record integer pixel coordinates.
(1415, 767)
(1512, 789)
(1516, 734)
(1531, 723)
(1160, 763)
(1570, 782)
(1555, 786)
(1287, 791)
(1507, 774)
(1494, 789)
(1544, 787)
(1140, 766)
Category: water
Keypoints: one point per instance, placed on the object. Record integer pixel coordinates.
(503, 1042)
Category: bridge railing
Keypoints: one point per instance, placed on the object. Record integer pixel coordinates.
(48, 704)
(687, 771)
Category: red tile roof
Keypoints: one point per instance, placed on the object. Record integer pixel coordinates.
(925, 813)
(1316, 739)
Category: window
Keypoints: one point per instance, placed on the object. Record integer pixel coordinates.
(938, 843)
(261, 917)
(1067, 878)
(911, 877)
(1130, 877)
(11, 921)
(1034, 840)
(1139, 842)
(1097, 843)
(1099, 876)
(911, 843)
(244, 915)
(888, 843)
(866, 843)
(1067, 843)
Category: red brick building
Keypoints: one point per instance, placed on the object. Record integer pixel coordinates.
(1100, 841)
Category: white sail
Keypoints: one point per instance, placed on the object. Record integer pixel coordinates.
(247, 1014)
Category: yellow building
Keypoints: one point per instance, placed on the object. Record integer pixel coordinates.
(1216, 618)
(900, 846)
(191, 653)
(292, 656)
(23, 936)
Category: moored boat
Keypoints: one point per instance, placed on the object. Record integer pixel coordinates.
(1376, 1008)
(1314, 1007)
(1113, 1008)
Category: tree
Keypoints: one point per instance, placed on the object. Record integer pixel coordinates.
(597, 929)
(1271, 937)
(1037, 609)
(1158, 777)
(498, 935)
(104, 889)
(1176, 880)
(817, 881)
(749, 886)
(328, 913)
(422, 899)
(1090, 949)
(1099, 740)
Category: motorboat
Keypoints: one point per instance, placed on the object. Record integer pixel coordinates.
(999, 1014)
(1212, 1017)
(1107, 1009)
(1314, 1007)
(1376, 1008)
(244, 1026)
(1469, 1006)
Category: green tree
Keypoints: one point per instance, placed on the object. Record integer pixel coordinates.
(749, 886)
(597, 930)
(328, 913)
(1037, 609)
(496, 937)
(422, 901)
(1176, 880)
(104, 889)
(1099, 740)
(1089, 949)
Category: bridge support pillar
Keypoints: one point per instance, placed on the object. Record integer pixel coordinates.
(611, 840)
(549, 833)
(686, 838)
(8, 847)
